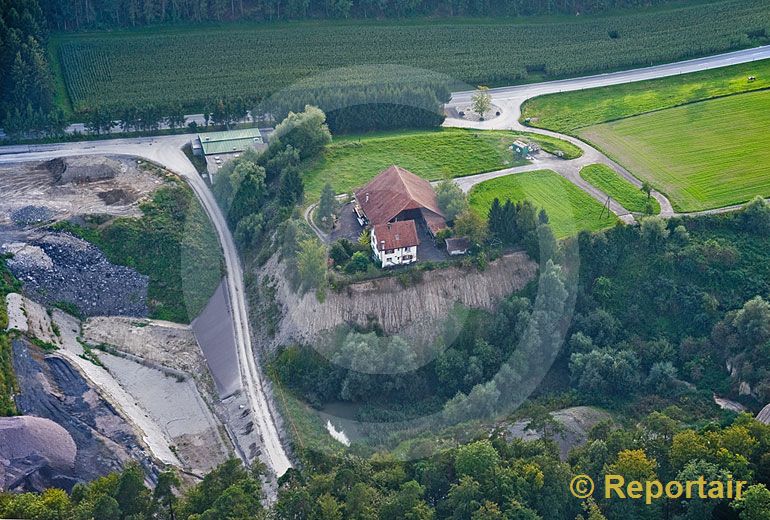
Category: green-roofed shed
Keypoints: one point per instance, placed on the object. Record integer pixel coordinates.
(230, 141)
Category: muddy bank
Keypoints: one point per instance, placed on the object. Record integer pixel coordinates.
(214, 330)
(416, 310)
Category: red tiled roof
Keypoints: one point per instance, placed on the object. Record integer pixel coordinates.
(395, 190)
(434, 222)
(394, 235)
(457, 244)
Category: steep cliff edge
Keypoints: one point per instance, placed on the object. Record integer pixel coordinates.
(416, 310)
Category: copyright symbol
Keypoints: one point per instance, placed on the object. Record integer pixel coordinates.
(582, 486)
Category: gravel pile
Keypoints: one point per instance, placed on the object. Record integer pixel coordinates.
(29, 215)
(34, 452)
(62, 268)
(83, 169)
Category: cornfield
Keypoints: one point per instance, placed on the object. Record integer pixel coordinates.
(164, 67)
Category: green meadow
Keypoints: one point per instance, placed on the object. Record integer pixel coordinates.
(701, 155)
(569, 208)
(351, 161)
(569, 111)
(629, 196)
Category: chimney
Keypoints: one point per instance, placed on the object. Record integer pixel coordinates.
(388, 225)
(367, 197)
(397, 237)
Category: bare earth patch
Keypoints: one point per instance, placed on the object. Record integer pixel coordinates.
(64, 188)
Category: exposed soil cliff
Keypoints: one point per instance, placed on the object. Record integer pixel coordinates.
(416, 310)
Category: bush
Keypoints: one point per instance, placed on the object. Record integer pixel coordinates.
(359, 262)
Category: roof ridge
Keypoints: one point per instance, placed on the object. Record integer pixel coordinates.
(400, 172)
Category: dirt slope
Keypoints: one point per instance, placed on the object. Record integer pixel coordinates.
(413, 311)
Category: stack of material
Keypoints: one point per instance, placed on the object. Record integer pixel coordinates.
(35, 453)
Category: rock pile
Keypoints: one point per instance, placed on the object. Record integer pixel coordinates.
(83, 169)
(58, 267)
(28, 215)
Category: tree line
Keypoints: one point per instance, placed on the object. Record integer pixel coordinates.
(26, 82)
(488, 478)
(73, 15)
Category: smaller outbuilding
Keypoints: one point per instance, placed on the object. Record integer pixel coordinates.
(457, 246)
(230, 141)
(219, 147)
(522, 148)
(395, 243)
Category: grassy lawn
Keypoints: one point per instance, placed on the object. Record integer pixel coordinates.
(572, 110)
(570, 209)
(349, 162)
(702, 155)
(628, 195)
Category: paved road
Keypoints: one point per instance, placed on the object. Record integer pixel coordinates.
(167, 152)
(521, 93)
(510, 99)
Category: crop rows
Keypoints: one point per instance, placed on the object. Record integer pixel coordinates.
(135, 69)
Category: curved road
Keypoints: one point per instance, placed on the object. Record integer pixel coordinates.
(166, 151)
(510, 100)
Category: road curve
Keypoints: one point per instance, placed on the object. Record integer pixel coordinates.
(166, 151)
(526, 91)
(510, 99)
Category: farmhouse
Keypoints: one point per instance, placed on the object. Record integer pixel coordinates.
(395, 243)
(398, 196)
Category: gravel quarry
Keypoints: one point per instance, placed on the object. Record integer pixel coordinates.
(169, 420)
(58, 267)
(247, 415)
(148, 373)
(40, 192)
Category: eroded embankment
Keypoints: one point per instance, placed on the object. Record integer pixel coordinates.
(415, 310)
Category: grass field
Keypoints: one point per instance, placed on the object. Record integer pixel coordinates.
(190, 65)
(349, 162)
(703, 155)
(628, 195)
(570, 111)
(570, 209)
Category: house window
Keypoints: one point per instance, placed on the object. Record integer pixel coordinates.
(389, 252)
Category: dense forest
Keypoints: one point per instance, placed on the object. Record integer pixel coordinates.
(26, 81)
(71, 15)
(491, 478)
